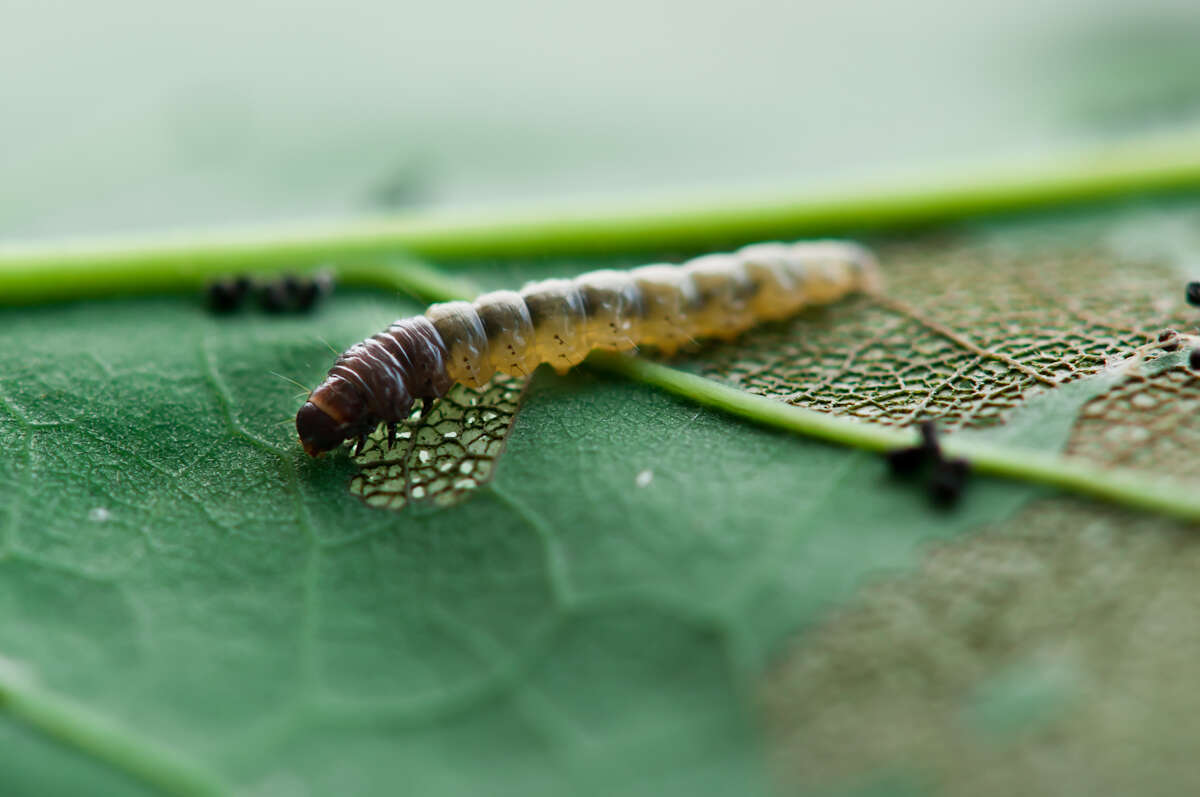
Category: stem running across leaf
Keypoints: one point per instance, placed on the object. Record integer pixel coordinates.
(32, 274)
(184, 262)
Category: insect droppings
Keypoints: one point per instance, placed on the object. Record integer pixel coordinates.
(945, 478)
(911, 460)
(1169, 339)
(226, 296)
(288, 294)
(948, 481)
(292, 294)
(1193, 294)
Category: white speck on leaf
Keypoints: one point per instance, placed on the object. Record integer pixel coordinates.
(644, 478)
(99, 515)
(15, 672)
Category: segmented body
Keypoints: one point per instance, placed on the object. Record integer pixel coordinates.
(559, 321)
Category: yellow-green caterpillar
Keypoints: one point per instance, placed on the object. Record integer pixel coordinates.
(559, 321)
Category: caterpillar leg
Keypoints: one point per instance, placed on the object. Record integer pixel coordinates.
(391, 434)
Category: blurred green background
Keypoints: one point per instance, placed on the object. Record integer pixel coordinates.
(135, 115)
(291, 639)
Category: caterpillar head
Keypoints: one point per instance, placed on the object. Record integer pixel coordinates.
(334, 413)
(319, 431)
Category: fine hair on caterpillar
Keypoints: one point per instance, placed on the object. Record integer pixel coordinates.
(559, 321)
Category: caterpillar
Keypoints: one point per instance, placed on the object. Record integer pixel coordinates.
(559, 321)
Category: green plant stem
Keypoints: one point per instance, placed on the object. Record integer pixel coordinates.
(34, 273)
(409, 276)
(1123, 487)
(80, 728)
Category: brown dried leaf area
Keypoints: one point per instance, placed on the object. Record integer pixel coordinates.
(962, 334)
(443, 458)
(1053, 655)
(1147, 421)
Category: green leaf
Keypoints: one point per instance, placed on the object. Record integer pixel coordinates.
(180, 578)
(173, 564)
(193, 601)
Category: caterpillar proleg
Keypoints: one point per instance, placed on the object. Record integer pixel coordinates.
(559, 321)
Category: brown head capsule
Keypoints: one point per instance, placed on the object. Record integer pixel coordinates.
(560, 321)
(319, 431)
(373, 382)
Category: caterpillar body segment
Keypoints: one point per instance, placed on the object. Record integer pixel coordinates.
(465, 341)
(560, 328)
(508, 335)
(558, 321)
(612, 303)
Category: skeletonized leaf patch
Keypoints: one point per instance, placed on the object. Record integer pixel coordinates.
(443, 458)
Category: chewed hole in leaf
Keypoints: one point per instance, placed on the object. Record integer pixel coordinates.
(443, 458)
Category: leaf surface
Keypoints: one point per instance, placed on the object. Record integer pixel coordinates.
(173, 562)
